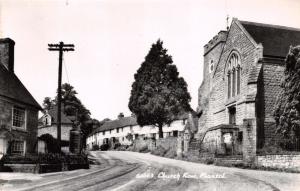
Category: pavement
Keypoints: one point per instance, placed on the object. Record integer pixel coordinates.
(123, 170)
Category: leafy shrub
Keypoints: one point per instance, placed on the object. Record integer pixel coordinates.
(160, 151)
(171, 153)
(143, 149)
(51, 142)
(104, 147)
(122, 148)
(49, 158)
(129, 137)
(95, 147)
(117, 145)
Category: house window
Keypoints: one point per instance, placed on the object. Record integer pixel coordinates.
(175, 133)
(18, 117)
(233, 76)
(131, 128)
(118, 130)
(17, 147)
(183, 122)
(103, 132)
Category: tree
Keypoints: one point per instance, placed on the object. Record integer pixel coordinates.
(72, 106)
(48, 103)
(158, 94)
(287, 108)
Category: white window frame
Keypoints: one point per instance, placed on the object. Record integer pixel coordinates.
(24, 147)
(25, 118)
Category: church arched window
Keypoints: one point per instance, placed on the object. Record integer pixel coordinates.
(233, 75)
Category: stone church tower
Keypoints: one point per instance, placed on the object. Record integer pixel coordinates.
(242, 71)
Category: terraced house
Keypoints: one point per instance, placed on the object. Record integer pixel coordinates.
(18, 109)
(243, 67)
(117, 130)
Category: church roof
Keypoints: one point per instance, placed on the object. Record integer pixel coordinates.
(275, 39)
(11, 87)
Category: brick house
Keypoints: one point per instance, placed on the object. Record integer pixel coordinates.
(48, 125)
(242, 71)
(18, 109)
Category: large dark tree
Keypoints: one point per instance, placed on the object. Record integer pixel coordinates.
(287, 110)
(158, 94)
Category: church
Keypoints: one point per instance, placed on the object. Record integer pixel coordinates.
(242, 72)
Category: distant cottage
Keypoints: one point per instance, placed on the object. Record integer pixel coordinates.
(48, 125)
(242, 71)
(18, 109)
(116, 131)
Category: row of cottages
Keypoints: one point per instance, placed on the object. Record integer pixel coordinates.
(119, 129)
(242, 71)
(18, 109)
(48, 126)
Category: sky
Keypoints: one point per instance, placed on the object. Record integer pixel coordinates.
(112, 38)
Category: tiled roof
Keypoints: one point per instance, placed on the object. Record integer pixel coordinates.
(125, 122)
(53, 113)
(276, 40)
(11, 87)
(122, 122)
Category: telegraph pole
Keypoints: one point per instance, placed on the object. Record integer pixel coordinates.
(61, 47)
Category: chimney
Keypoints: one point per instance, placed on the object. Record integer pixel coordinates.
(7, 53)
(120, 116)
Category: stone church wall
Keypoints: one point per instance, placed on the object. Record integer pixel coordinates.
(216, 113)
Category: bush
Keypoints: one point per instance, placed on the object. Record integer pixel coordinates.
(49, 158)
(104, 147)
(122, 148)
(170, 153)
(143, 149)
(270, 149)
(160, 151)
(51, 142)
(117, 145)
(95, 147)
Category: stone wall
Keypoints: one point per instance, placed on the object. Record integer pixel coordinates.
(30, 133)
(272, 74)
(212, 142)
(249, 140)
(167, 143)
(279, 161)
(52, 130)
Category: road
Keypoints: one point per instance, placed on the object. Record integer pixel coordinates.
(122, 170)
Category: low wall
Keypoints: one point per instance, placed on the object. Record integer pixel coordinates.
(279, 161)
(43, 168)
(169, 143)
(140, 144)
(26, 168)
